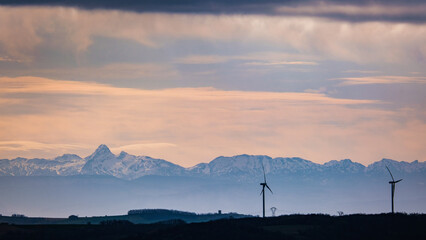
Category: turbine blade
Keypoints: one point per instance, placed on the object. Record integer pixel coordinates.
(398, 180)
(261, 192)
(390, 173)
(269, 188)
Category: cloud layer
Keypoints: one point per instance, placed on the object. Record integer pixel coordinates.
(73, 31)
(382, 80)
(349, 10)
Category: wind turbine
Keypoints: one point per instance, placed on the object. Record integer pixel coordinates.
(264, 184)
(392, 183)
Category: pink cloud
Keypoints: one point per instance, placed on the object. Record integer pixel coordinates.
(381, 80)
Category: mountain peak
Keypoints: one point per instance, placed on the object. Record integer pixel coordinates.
(123, 154)
(67, 157)
(102, 149)
(101, 153)
(102, 146)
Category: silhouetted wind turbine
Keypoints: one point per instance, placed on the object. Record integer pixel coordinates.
(264, 184)
(392, 183)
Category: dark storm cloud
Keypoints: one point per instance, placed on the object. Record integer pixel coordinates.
(348, 10)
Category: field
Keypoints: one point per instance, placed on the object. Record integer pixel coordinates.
(380, 226)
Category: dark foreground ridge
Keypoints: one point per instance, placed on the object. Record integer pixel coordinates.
(381, 226)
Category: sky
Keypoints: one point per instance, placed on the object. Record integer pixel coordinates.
(188, 81)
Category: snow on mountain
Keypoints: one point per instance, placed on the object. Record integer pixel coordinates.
(236, 165)
(126, 166)
(293, 165)
(100, 162)
(344, 166)
(395, 166)
(68, 164)
(250, 165)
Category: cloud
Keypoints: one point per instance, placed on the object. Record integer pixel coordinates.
(142, 148)
(280, 63)
(192, 125)
(115, 73)
(202, 59)
(30, 85)
(362, 71)
(350, 10)
(9, 59)
(37, 85)
(353, 11)
(24, 146)
(72, 31)
(320, 90)
(141, 72)
(256, 58)
(381, 80)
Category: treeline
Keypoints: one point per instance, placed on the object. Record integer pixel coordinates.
(159, 212)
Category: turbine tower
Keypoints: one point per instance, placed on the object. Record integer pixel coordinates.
(264, 184)
(392, 183)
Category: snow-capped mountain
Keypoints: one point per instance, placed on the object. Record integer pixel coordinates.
(67, 164)
(236, 165)
(413, 167)
(250, 165)
(344, 166)
(126, 166)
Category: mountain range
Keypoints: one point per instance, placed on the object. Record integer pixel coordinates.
(129, 167)
(105, 183)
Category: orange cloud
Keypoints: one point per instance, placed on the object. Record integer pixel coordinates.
(381, 80)
(48, 86)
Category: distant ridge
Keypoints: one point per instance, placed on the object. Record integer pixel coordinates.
(126, 166)
(137, 216)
